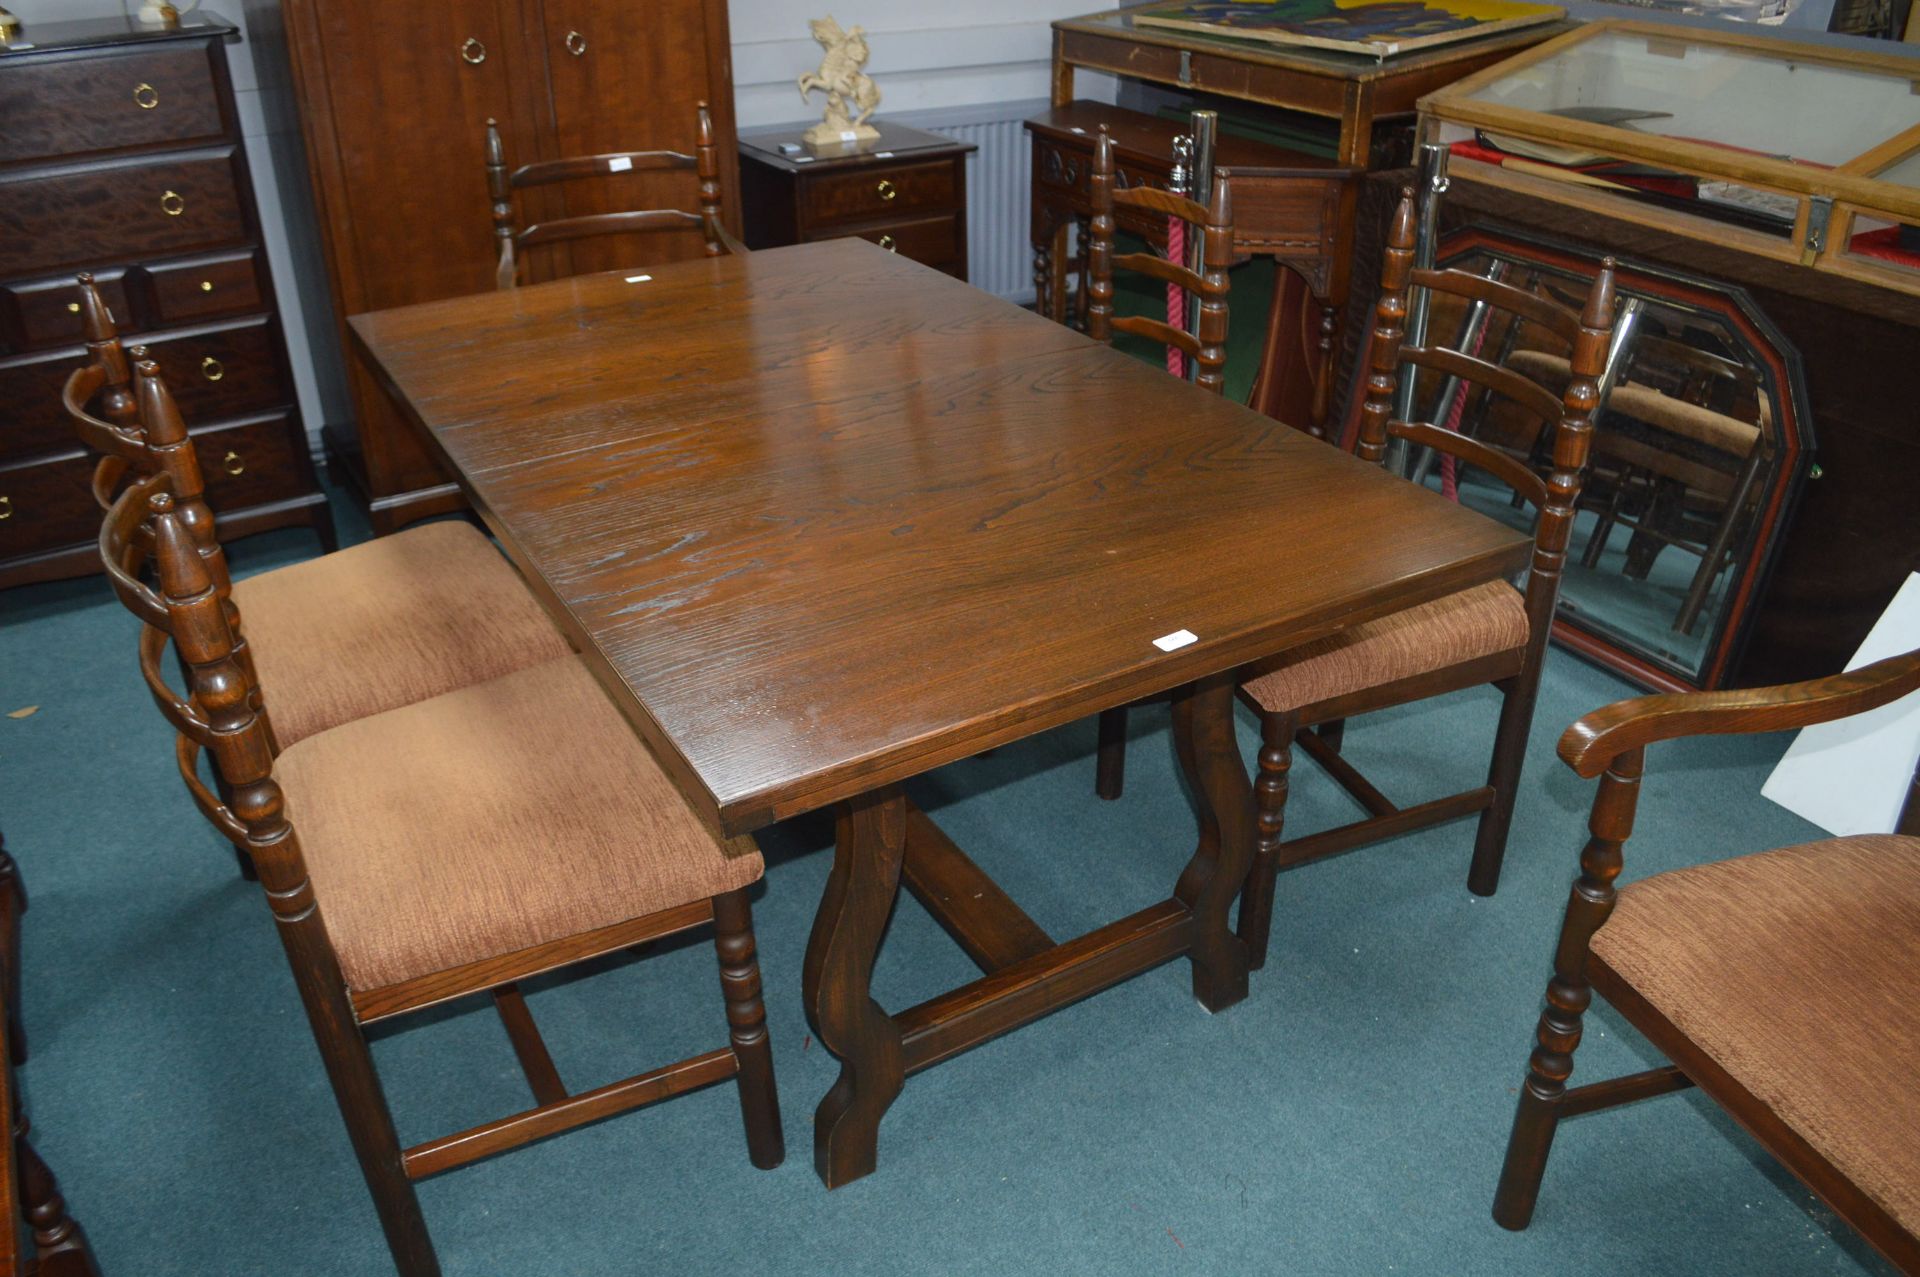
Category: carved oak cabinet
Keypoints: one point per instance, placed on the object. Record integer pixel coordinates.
(393, 97)
(120, 154)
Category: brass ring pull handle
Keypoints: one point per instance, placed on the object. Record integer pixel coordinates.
(206, 285)
(212, 369)
(886, 242)
(6, 508)
(145, 97)
(576, 43)
(885, 190)
(171, 204)
(232, 464)
(473, 52)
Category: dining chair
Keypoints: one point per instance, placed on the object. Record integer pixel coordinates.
(395, 620)
(1779, 983)
(1492, 633)
(511, 241)
(450, 847)
(1206, 345)
(58, 1245)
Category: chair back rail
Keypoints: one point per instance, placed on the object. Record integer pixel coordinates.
(502, 183)
(113, 391)
(1207, 345)
(1570, 417)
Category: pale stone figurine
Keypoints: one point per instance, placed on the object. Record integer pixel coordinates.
(841, 77)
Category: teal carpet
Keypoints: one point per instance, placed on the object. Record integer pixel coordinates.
(1347, 1118)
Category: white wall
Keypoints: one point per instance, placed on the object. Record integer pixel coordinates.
(925, 54)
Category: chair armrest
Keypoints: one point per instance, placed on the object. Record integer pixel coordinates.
(1591, 744)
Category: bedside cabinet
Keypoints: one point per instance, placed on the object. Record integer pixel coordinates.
(904, 190)
(120, 154)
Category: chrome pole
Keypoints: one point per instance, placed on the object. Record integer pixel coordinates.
(1429, 186)
(1204, 126)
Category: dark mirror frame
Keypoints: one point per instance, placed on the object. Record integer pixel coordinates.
(1779, 360)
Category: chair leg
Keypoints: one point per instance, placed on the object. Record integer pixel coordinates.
(62, 1246)
(1333, 732)
(1111, 773)
(747, 1028)
(1509, 752)
(1534, 1123)
(1270, 802)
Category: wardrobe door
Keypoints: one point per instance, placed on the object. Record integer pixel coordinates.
(627, 78)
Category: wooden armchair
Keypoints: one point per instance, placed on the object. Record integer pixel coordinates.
(1206, 345)
(449, 847)
(27, 1187)
(1781, 984)
(501, 185)
(357, 632)
(1490, 634)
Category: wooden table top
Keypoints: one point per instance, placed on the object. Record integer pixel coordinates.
(823, 519)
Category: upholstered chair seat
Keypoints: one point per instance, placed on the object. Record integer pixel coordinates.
(493, 819)
(395, 620)
(1794, 971)
(1481, 622)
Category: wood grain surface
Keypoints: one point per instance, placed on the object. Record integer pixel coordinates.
(822, 518)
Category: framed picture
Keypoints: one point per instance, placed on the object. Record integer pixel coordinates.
(1372, 28)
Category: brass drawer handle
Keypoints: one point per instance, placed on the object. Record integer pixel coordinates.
(473, 52)
(886, 242)
(886, 190)
(6, 508)
(172, 205)
(73, 308)
(232, 464)
(212, 369)
(145, 97)
(206, 285)
(576, 43)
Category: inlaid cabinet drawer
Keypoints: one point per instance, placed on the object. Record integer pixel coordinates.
(204, 287)
(932, 241)
(248, 464)
(214, 373)
(856, 196)
(47, 504)
(137, 209)
(46, 312)
(137, 97)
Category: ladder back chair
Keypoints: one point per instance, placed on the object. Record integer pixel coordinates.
(447, 848)
(1206, 346)
(27, 1186)
(349, 634)
(512, 241)
(1779, 983)
(1490, 634)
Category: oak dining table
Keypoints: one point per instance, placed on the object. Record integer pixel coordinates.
(821, 519)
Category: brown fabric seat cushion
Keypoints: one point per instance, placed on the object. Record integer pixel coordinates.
(1483, 621)
(492, 819)
(383, 624)
(1795, 970)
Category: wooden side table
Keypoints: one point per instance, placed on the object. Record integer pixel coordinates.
(1292, 207)
(905, 191)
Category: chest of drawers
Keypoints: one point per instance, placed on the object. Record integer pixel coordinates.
(904, 190)
(121, 155)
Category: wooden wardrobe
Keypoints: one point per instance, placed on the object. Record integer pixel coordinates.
(393, 98)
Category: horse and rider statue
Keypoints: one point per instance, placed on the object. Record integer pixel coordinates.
(841, 77)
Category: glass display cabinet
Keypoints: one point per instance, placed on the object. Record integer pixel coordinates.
(1701, 444)
(1802, 153)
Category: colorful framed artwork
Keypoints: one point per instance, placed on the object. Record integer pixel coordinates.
(1372, 28)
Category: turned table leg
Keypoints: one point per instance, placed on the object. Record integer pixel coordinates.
(1210, 758)
(870, 839)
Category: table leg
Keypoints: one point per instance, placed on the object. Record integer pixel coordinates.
(1210, 758)
(870, 839)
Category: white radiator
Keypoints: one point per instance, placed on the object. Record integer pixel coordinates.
(999, 259)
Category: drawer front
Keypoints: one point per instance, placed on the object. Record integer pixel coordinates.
(46, 312)
(249, 464)
(931, 241)
(244, 378)
(174, 204)
(879, 192)
(47, 505)
(184, 292)
(109, 101)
